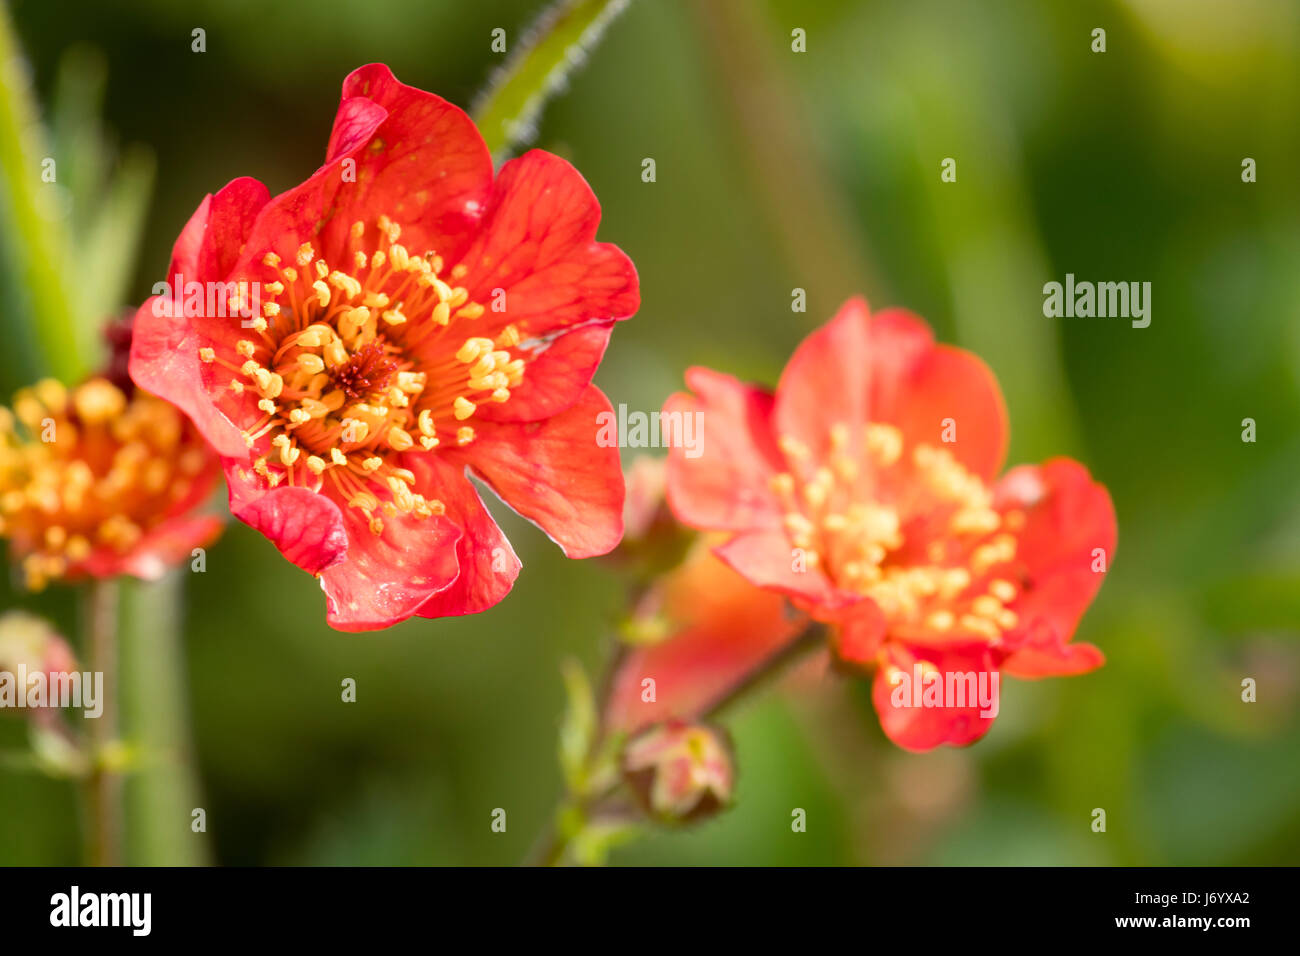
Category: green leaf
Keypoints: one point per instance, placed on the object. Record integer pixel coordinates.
(30, 214)
(538, 68)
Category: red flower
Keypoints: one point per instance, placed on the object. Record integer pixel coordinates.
(98, 482)
(866, 490)
(417, 318)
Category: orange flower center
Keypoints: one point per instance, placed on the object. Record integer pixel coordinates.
(90, 469)
(918, 533)
(353, 366)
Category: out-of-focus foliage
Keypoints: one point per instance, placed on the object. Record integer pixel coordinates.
(817, 170)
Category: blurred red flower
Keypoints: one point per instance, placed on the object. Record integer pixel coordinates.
(99, 482)
(865, 489)
(418, 317)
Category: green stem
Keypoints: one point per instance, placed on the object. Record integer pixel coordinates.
(536, 69)
(103, 785)
(574, 812)
(163, 793)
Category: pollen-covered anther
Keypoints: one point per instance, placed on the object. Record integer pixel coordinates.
(356, 360)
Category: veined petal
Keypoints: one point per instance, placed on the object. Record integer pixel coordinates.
(537, 249)
(488, 564)
(557, 474)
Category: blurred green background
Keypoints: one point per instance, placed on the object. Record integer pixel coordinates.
(777, 170)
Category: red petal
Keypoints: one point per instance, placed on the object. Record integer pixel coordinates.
(557, 474)
(388, 578)
(488, 565)
(209, 244)
(370, 581)
(537, 244)
(916, 727)
(305, 525)
(1048, 657)
(558, 372)
(165, 349)
(355, 122)
(767, 560)
(727, 630)
(916, 385)
(425, 165)
(827, 380)
(858, 634)
(1068, 515)
(726, 486)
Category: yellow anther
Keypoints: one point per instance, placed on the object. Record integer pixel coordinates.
(322, 293)
(335, 354)
(311, 363)
(884, 443)
(314, 336)
(464, 435)
(207, 355)
(940, 620)
(317, 465)
(305, 254)
(399, 439)
(344, 282)
(472, 349)
(462, 408)
(1003, 590)
(245, 348)
(792, 447)
(96, 402)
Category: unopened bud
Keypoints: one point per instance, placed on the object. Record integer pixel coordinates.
(680, 772)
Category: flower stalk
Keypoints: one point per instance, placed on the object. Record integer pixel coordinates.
(103, 785)
(538, 68)
(162, 794)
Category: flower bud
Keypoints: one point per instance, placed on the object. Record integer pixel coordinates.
(680, 772)
(30, 646)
